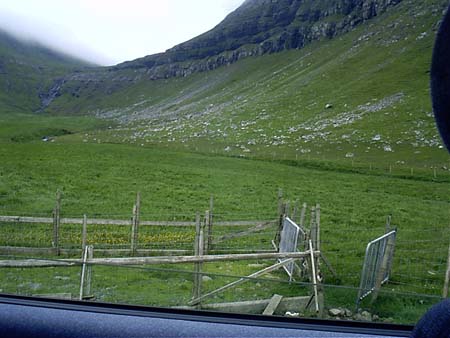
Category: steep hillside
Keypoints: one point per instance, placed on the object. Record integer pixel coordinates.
(27, 69)
(256, 28)
(363, 95)
(360, 93)
(259, 27)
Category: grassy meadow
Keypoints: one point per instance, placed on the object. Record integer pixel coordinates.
(240, 134)
(101, 180)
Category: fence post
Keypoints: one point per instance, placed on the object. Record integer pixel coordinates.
(206, 234)
(295, 212)
(88, 287)
(287, 209)
(210, 222)
(198, 251)
(135, 224)
(56, 222)
(388, 224)
(84, 233)
(280, 225)
(281, 213)
(447, 276)
(86, 271)
(317, 227)
(280, 201)
(312, 228)
(302, 215)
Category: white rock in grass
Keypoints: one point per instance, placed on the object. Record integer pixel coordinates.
(388, 148)
(334, 312)
(376, 137)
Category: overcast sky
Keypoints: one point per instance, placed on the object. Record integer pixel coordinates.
(108, 32)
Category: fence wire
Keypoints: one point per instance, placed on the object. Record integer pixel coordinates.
(419, 263)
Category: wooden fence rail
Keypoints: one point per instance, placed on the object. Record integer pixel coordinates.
(153, 260)
(95, 221)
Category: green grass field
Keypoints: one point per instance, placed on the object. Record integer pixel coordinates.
(240, 133)
(101, 180)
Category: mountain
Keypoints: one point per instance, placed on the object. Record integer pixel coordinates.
(27, 69)
(259, 27)
(351, 83)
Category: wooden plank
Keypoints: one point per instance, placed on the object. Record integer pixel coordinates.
(153, 260)
(22, 219)
(293, 304)
(272, 306)
(67, 296)
(107, 252)
(93, 221)
(10, 250)
(34, 263)
(242, 280)
(194, 259)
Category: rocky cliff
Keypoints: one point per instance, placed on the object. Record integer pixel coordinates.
(257, 27)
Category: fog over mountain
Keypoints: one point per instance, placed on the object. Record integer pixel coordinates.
(108, 33)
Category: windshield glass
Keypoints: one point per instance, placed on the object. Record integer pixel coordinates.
(286, 162)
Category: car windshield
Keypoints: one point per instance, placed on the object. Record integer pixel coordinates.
(284, 160)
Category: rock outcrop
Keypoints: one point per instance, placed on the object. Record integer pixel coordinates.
(259, 27)
(256, 28)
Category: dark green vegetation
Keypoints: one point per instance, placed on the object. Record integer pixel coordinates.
(238, 132)
(27, 71)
